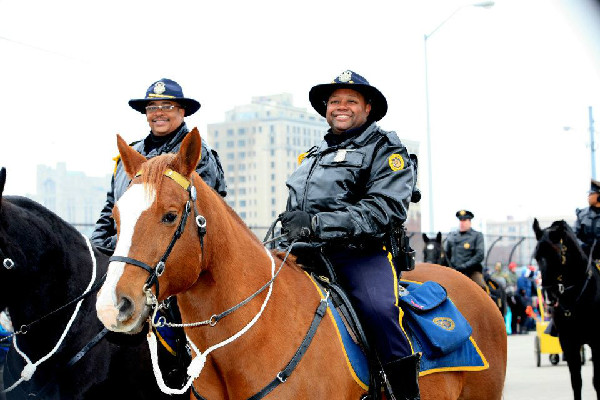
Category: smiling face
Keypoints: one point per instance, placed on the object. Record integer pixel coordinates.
(346, 109)
(163, 122)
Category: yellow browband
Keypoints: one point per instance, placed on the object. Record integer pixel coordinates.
(176, 176)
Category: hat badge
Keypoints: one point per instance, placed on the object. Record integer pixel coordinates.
(463, 212)
(159, 87)
(345, 76)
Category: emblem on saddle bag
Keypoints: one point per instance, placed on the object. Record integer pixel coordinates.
(434, 319)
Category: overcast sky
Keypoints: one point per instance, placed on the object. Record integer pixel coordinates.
(503, 83)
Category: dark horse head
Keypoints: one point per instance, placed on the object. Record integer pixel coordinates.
(49, 275)
(433, 250)
(563, 264)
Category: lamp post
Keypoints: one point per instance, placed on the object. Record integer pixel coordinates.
(484, 4)
(592, 142)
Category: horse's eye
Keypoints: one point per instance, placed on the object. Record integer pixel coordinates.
(169, 218)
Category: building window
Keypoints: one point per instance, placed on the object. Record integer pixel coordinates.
(230, 144)
(241, 143)
(230, 132)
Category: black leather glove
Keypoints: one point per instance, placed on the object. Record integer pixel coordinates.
(296, 224)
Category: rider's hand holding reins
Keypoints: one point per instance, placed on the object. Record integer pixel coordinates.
(296, 224)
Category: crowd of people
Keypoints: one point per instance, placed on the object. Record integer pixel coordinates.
(520, 285)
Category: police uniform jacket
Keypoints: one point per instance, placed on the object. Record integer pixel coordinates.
(209, 168)
(587, 228)
(356, 187)
(465, 250)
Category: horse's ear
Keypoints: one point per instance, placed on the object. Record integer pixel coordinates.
(536, 228)
(425, 237)
(438, 237)
(2, 180)
(132, 160)
(189, 153)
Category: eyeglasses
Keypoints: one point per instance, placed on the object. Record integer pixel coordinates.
(166, 107)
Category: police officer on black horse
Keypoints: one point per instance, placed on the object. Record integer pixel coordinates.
(587, 225)
(351, 194)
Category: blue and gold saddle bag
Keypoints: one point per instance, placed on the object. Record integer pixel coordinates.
(436, 322)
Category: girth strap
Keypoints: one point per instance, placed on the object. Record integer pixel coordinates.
(287, 371)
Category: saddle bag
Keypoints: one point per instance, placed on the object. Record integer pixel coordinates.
(436, 322)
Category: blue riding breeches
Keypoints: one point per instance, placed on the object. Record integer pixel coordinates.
(371, 281)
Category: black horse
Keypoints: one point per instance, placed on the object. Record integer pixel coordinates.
(48, 281)
(433, 250)
(434, 253)
(571, 283)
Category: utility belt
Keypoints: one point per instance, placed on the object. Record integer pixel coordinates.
(403, 256)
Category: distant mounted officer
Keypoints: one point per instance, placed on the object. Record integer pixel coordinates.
(587, 225)
(465, 249)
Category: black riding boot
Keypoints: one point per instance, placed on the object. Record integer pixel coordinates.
(403, 378)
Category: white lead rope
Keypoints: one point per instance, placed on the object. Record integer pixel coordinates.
(30, 368)
(197, 364)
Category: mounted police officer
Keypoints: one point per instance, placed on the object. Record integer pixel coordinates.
(465, 249)
(587, 225)
(165, 107)
(351, 194)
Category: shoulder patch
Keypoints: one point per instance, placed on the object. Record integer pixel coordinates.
(396, 162)
(301, 157)
(116, 160)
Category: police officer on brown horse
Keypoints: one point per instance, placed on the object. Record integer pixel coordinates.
(351, 193)
(465, 249)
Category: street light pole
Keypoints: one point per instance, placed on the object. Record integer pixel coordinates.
(484, 4)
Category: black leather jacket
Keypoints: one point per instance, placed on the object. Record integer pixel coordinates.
(465, 251)
(356, 189)
(209, 168)
(587, 229)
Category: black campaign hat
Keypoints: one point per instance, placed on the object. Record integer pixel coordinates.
(464, 214)
(595, 187)
(319, 94)
(165, 89)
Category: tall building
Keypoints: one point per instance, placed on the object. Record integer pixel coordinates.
(259, 144)
(72, 195)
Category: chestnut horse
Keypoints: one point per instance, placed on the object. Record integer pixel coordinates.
(246, 310)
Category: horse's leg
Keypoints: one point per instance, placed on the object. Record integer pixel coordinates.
(572, 353)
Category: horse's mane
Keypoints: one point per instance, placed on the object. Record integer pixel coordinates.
(39, 210)
(153, 173)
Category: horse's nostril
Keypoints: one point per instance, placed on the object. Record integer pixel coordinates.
(125, 307)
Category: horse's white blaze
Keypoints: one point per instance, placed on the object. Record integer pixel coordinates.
(131, 206)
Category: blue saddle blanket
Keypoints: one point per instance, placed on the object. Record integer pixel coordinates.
(459, 354)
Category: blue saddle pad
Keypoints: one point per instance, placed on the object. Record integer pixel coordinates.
(464, 357)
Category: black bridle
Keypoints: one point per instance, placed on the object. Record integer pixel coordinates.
(159, 268)
(566, 297)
